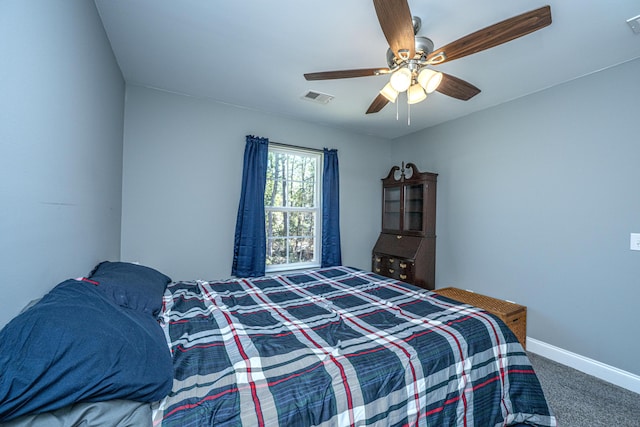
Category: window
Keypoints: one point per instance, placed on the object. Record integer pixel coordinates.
(293, 211)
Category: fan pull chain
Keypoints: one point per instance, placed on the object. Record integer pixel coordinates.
(397, 111)
(408, 111)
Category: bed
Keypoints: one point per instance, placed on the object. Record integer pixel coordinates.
(340, 347)
(330, 347)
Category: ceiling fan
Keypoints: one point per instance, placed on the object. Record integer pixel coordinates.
(410, 57)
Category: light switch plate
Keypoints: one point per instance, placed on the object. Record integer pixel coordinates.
(635, 242)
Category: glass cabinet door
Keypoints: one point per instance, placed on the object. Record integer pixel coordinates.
(391, 209)
(414, 208)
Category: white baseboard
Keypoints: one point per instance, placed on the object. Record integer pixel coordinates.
(584, 364)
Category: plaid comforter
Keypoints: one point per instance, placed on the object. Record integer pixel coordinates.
(340, 347)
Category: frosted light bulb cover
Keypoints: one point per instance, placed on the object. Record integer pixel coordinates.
(416, 94)
(429, 79)
(389, 92)
(401, 80)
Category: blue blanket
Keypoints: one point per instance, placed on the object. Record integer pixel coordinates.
(78, 345)
(340, 347)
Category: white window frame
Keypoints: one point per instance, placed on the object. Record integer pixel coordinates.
(317, 210)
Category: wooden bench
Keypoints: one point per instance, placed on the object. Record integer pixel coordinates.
(512, 314)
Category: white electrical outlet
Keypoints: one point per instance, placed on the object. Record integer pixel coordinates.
(634, 23)
(635, 242)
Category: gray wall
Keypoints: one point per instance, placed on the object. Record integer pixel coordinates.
(182, 177)
(536, 200)
(61, 121)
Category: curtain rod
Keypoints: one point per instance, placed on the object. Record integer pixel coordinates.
(279, 144)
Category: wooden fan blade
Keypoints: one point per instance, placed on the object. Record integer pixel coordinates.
(377, 104)
(345, 74)
(496, 34)
(397, 25)
(457, 88)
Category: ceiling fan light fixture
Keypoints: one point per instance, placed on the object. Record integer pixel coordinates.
(416, 94)
(389, 92)
(401, 79)
(429, 79)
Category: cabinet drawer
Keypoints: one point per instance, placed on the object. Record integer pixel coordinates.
(393, 267)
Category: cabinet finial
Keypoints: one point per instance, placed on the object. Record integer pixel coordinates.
(404, 168)
(400, 173)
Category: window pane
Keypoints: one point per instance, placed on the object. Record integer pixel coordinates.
(301, 224)
(296, 194)
(301, 249)
(301, 194)
(309, 191)
(391, 217)
(274, 194)
(274, 225)
(276, 251)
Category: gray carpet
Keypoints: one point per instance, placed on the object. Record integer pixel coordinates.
(580, 400)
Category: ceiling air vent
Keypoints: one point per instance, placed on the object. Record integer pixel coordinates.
(320, 98)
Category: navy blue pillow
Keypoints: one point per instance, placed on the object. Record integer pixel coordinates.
(77, 345)
(131, 285)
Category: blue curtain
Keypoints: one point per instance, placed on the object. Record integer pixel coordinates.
(249, 251)
(331, 253)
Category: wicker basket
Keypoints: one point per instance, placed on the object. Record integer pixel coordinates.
(513, 315)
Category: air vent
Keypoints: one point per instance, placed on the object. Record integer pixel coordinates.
(318, 97)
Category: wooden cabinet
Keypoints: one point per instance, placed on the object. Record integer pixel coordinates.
(406, 248)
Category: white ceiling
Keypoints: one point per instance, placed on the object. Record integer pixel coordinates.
(253, 53)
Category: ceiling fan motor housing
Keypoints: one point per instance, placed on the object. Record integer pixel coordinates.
(424, 46)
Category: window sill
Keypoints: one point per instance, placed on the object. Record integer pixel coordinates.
(291, 268)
